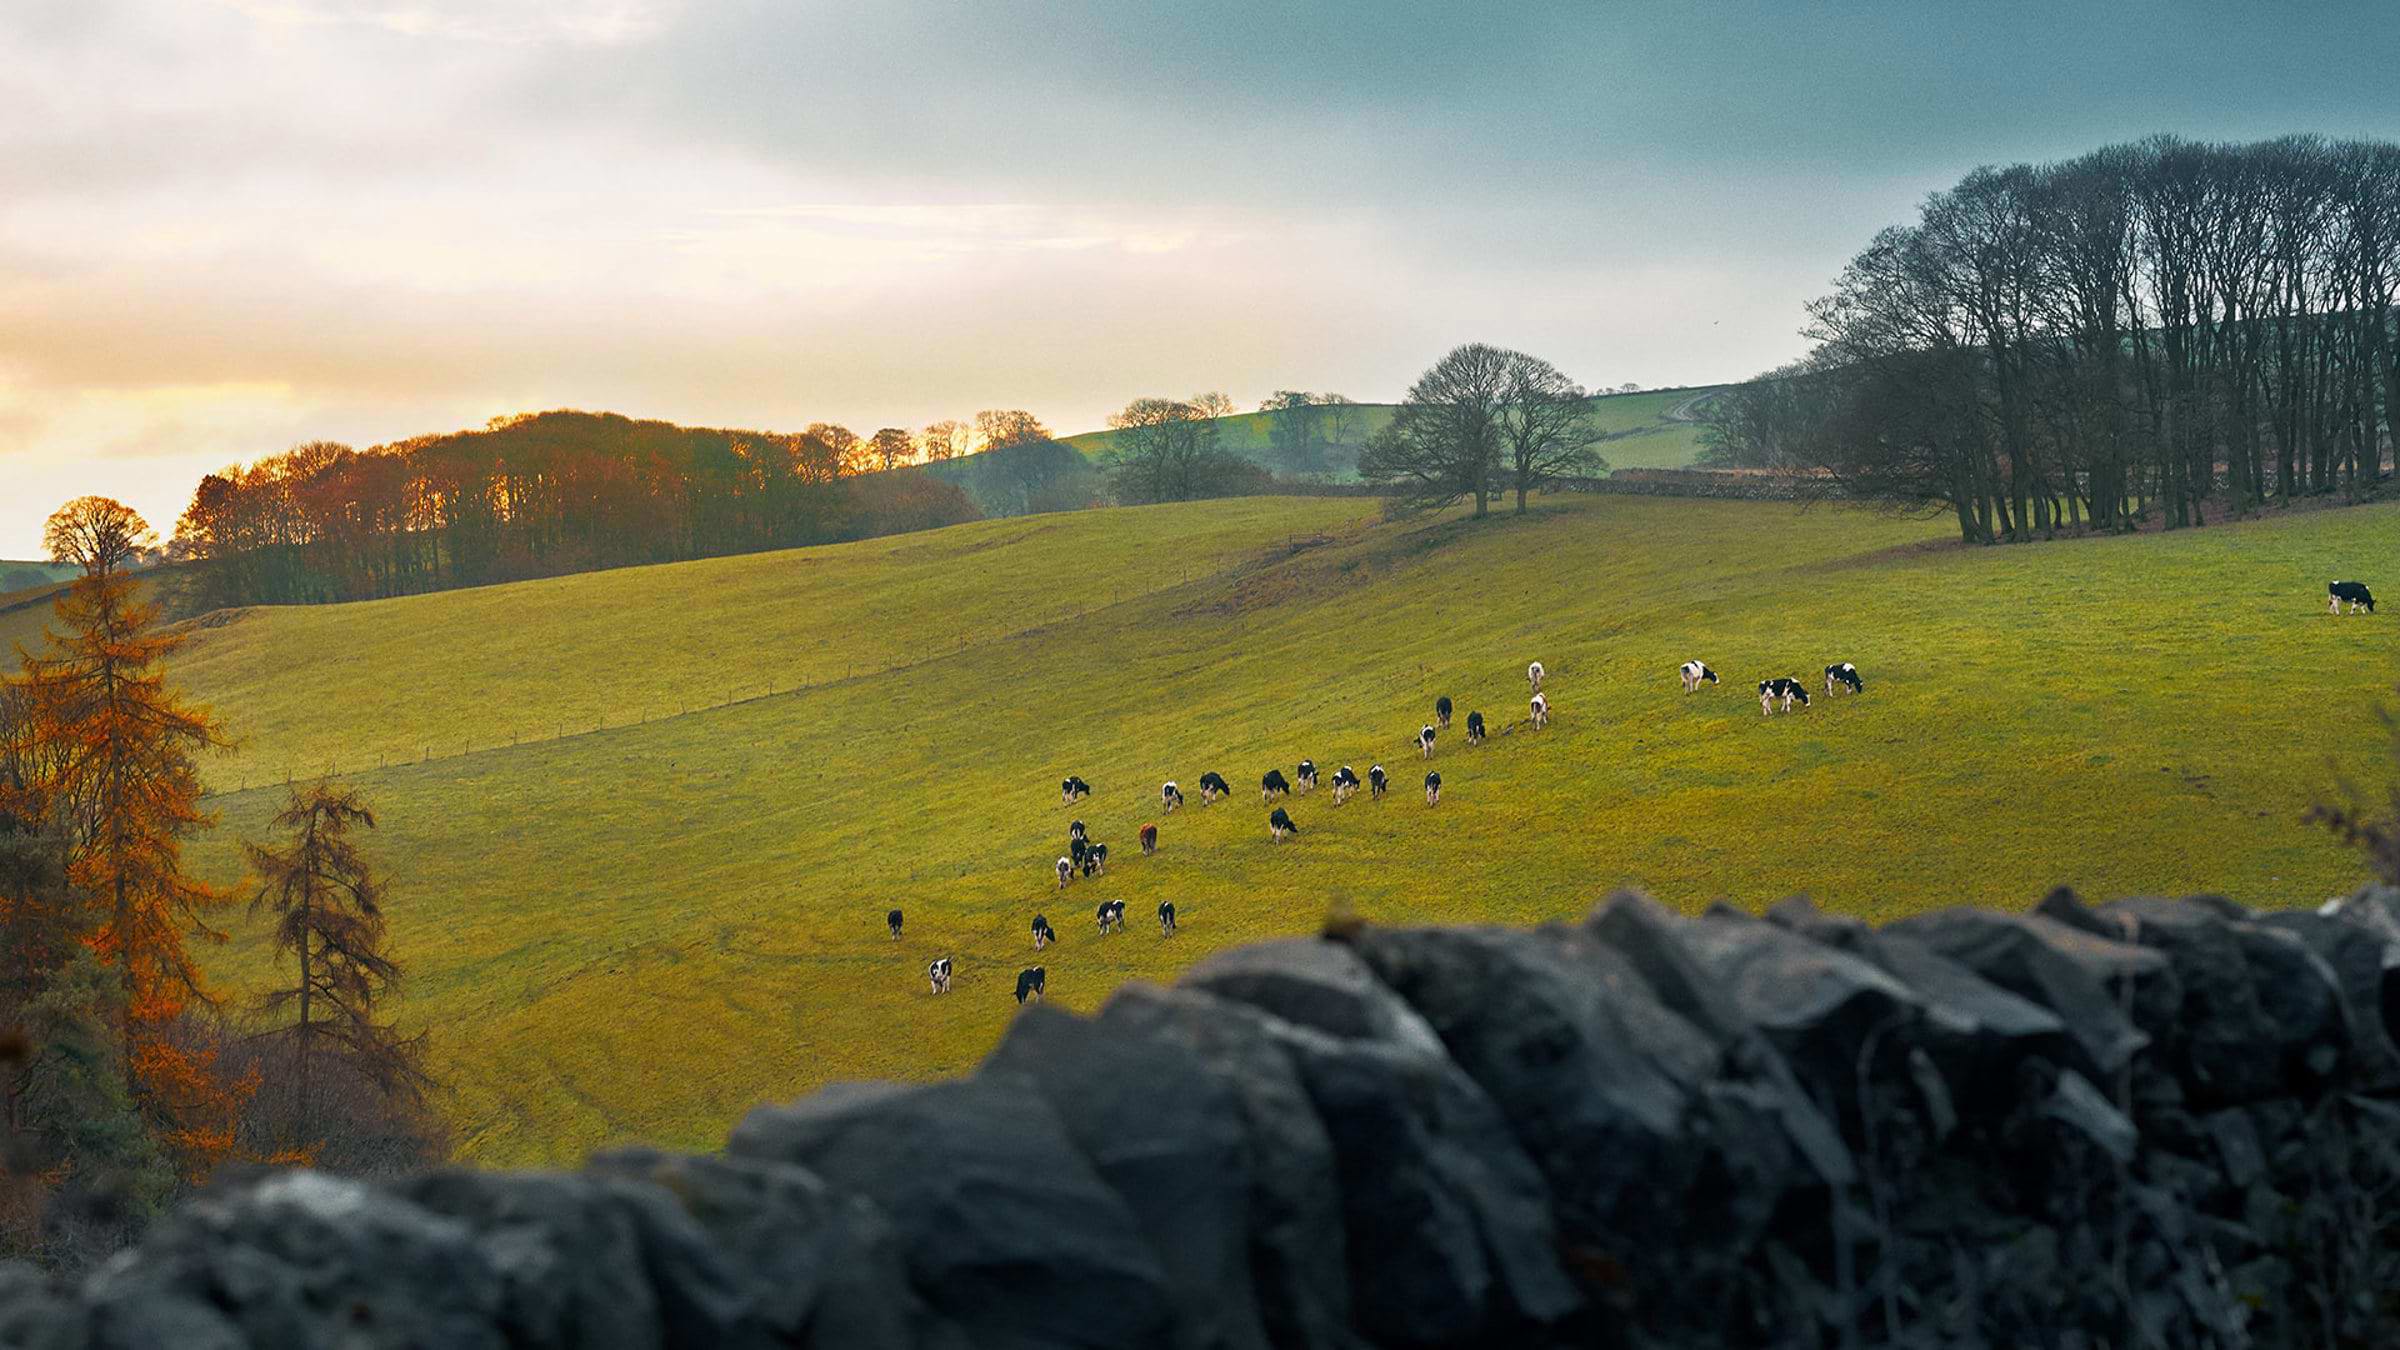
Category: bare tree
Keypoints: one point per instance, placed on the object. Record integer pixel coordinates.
(1545, 426)
(1443, 444)
(1292, 418)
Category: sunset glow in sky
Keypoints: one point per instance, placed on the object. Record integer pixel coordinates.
(226, 227)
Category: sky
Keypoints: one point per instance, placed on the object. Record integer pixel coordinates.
(230, 226)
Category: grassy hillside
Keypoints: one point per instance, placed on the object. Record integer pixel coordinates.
(17, 575)
(1642, 431)
(645, 931)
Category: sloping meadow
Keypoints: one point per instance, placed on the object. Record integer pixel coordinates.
(642, 932)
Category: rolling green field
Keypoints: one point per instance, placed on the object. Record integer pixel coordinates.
(1640, 430)
(643, 931)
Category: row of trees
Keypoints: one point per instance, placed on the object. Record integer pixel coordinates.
(2074, 345)
(1482, 421)
(121, 1077)
(540, 495)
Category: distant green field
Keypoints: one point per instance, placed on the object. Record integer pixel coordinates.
(20, 575)
(1641, 432)
(643, 932)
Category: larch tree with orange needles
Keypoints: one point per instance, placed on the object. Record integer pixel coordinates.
(129, 792)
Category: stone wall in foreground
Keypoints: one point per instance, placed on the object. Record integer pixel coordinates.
(2153, 1123)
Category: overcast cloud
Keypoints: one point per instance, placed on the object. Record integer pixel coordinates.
(227, 227)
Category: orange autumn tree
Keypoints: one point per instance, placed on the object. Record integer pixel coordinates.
(129, 792)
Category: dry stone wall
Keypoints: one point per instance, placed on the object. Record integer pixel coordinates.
(2149, 1123)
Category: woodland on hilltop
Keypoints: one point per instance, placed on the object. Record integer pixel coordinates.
(2088, 344)
(538, 495)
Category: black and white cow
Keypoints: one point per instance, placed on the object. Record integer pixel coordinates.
(1474, 728)
(1845, 674)
(1031, 983)
(1066, 872)
(1076, 832)
(1780, 689)
(1076, 849)
(1696, 674)
(1433, 788)
(1213, 786)
(1441, 712)
(1280, 824)
(1111, 916)
(1043, 933)
(1345, 784)
(2355, 592)
(1272, 785)
(1072, 789)
(938, 975)
(1149, 840)
(1169, 796)
(1306, 775)
(1541, 710)
(1375, 781)
(1533, 676)
(1166, 918)
(1425, 742)
(1095, 859)
(893, 919)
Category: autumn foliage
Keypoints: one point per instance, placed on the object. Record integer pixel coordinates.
(539, 495)
(122, 775)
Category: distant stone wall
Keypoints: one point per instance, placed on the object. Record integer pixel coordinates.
(2154, 1123)
(1769, 485)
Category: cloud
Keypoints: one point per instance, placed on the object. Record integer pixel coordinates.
(230, 226)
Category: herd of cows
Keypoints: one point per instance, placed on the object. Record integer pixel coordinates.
(1086, 858)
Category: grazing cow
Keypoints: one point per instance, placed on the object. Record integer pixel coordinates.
(893, 919)
(1087, 866)
(1345, 784)
(1441, 712)
(1166, 918)
(1072, 789)
(1307, 774)
(1213, 786)
(1843, 673)
(1375, 781)
(1425, 742)
(1030, 983)
(1170, 796)
(1096, 859)
(1433, 788)
(1533, 676)
(1111, 916)
(1781, 688)
(1280, 824)
(1076, 849)
(2355, 592)
(1076, 832)
(1474, 728)
(1272, 786)
(1149, 840)
(1043, 933)
(1695, 674)
(938, 974)
(1541, 710)
(1066, 872)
